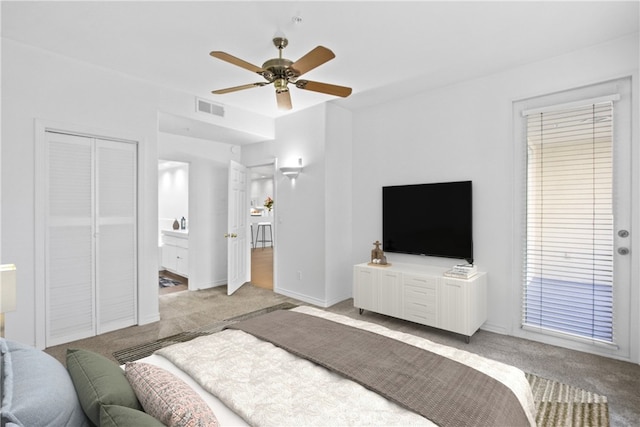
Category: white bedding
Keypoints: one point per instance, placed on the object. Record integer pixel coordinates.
(265, 385)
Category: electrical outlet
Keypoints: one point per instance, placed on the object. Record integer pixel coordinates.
(299, 275)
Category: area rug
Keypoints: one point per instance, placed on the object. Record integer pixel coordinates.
(557, 404)
(165, 282)
(143, 350)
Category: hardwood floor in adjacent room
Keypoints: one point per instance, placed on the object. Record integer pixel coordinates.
(262, 267)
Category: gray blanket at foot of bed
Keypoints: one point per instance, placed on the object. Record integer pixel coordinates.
(440, 389)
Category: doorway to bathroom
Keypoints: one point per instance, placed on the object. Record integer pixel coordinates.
(173, 228)
(262, 225)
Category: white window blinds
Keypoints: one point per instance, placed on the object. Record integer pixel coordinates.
(568, 269)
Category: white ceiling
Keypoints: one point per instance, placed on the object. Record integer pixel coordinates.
(384, 49)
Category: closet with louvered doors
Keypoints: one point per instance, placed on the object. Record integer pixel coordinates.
(91, 244)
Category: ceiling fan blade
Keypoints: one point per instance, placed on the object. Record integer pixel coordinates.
(327, 88)
(237, 61)
(313, 59)
(237, 88)
(284, 100)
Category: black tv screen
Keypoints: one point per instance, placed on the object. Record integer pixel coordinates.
(428, 219)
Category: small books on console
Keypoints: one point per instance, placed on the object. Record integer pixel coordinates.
(462, 271)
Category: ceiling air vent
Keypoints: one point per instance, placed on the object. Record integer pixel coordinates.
(204, 106)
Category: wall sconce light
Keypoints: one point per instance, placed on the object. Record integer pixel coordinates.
(7, 292)
(292, 172)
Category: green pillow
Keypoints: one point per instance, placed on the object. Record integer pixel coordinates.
(121, 416)
(99, 381)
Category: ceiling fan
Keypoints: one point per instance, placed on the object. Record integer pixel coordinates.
(281, 71)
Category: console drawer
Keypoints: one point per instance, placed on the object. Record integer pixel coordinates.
(429, 282)
(421, 304)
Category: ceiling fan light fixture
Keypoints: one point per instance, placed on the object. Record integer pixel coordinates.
(280, 85)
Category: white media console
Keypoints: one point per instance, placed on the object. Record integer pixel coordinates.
(422, 294)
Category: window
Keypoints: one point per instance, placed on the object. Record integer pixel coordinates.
(568, 273)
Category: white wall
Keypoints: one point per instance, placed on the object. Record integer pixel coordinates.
(313, 212)
(173, 195)
(338, 205)
(300, 215)
(464, 132)
(208, 180)
(40, 85)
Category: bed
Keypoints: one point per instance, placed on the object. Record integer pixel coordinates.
(244, 376)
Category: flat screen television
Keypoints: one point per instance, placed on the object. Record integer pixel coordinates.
(428, 219)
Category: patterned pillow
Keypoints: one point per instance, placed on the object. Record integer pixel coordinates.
(168, 398)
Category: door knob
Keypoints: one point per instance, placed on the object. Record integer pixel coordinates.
(623, 251)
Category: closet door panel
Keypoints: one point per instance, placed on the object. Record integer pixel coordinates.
(70, 294)
(116, 266)
(116, 257)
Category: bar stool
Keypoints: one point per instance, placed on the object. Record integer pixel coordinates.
(263, 226)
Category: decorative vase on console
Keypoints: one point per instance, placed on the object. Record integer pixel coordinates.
(176, 224)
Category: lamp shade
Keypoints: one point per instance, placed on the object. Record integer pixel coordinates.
(7, 288)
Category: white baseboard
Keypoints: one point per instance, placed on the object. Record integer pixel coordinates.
(301, 297)
(493, 328)
(311, 300)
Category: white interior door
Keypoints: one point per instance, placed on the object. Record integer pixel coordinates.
(238, 250)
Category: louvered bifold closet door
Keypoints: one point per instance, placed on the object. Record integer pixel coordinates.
(70, 290)
(116, 252)
(91, 245)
